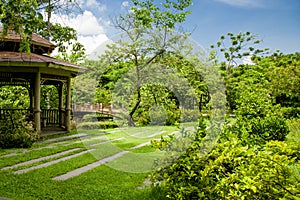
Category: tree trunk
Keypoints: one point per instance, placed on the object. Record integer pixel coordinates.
(130, 120)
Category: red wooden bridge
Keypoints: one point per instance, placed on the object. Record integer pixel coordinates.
(102, 111)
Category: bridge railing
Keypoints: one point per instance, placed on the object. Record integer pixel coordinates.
(102, 108)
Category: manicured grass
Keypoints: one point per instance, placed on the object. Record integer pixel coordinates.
(121, 178)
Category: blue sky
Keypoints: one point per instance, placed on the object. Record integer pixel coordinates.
(276, 22)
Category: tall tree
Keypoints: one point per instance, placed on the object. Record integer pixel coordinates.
(148, 30)
(237, 47)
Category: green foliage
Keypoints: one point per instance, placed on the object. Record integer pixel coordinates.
(153, 89)
(158, 106)
(189, 115)
(84, 89)
(16, 131)
(259, 130)
(269, 75)
(24, 24)
(257, 120)
(31, 21)
(148, 15)
(257, 156)
(148, 29)
(294, 126)
(14, 97)
(283, 73)
(49, 97)
(97, 125)
(234, 171)
(190, 69)
(235, 47)
(17, 140)
(90, 118)
(157, 115)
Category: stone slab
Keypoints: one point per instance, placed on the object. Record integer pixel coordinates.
(40, 159)
(86, 168)
(52, 162)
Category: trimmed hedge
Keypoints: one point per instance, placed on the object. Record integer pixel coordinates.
(97, 125)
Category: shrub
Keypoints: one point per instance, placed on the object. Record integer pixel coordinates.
(17, 140)
(234, 171)
(157, 115)
(190, 115)
(259, 130)
(16, 132)
(90, 118)
(294, 126)
(257, 120)
(290, 112)
(167, 114)
(97, 125)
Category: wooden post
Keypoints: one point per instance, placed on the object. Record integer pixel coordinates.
(37, 102)
(61, 103)
(68, 105)
(31, 96)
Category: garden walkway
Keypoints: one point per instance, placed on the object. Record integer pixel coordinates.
(64, 148)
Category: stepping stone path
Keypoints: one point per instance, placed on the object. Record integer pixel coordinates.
(145, 135)
(71, 153)
(141, 145)
(86, 168)
(107, 141)
(76, 136)
(40, 159)
(52, 162)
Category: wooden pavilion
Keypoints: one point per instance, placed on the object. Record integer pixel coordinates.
(34, 70)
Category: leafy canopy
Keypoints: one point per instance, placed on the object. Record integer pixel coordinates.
(25, 17)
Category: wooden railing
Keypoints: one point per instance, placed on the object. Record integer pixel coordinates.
(48, 116)
(52, 117)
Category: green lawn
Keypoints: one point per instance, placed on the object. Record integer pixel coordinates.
(121, 178)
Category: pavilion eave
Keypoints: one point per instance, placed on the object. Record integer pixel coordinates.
(26, 61)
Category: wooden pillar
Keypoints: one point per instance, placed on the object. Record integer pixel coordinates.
(31, 96)
(68, 105)
(37, 102)
(61, 104)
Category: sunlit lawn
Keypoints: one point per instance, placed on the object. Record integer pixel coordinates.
(122, 178)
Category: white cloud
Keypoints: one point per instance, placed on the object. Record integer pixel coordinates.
(100, 50)
(92, 5)
(90, 33)
(84, 24)
(125, 4)
(242, 3)
(92, 42)
(247, 60)
(95, 4)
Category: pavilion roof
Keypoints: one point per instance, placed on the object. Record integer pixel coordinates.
(10, 55)
(37, 42)
(8, 58)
